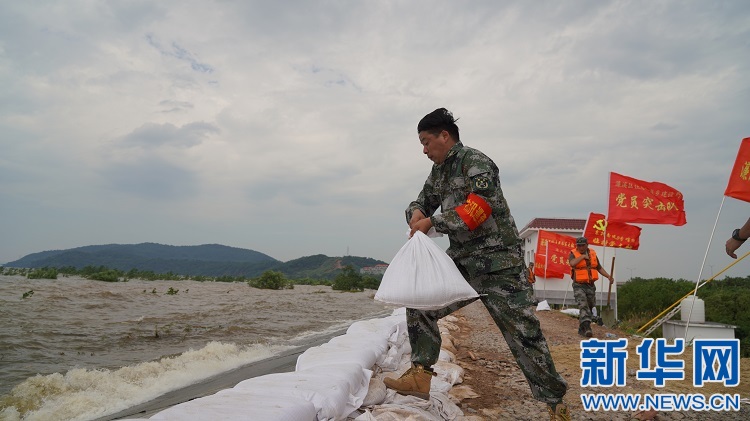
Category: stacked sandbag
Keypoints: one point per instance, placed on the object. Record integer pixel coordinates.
(383, 404)
(329, 383)
(339, 380)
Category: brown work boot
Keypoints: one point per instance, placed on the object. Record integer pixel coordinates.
(560, 413)
(414, 382)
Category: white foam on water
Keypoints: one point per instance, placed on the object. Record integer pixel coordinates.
(82, 394)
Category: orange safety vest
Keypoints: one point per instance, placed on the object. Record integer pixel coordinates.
(580, 273)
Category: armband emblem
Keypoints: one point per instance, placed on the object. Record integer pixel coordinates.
(474, 211)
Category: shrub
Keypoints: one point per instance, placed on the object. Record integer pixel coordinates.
(348, 280)
(271, 279)
(43, 273)
(109, 275)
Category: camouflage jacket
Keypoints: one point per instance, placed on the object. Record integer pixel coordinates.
(494, 244)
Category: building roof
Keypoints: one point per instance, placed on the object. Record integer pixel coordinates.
(555, 224)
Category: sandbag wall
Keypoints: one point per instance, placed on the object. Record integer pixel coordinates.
(339, 380)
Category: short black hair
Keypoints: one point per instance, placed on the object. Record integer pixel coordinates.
(437, 121)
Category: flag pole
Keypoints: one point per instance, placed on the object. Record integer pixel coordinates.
(613, 270)
(546, 264)
(604, 252)
(700, 273)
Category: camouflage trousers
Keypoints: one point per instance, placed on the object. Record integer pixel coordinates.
(508, 298)
(585, 296)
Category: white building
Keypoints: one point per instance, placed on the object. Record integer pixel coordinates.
(560, 291)
(378, 269)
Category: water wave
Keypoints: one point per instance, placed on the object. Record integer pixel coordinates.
(84, 394)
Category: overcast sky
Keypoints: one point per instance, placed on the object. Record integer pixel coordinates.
(289, 127)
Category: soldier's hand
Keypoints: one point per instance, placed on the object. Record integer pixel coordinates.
(423, 225)
(416, 216)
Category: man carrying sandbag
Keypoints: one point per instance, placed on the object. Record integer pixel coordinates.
(485, 246)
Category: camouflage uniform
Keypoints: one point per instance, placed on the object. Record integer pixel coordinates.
(585, 295)
(491, 260)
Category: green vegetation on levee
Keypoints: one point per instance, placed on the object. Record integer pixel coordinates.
(348, 278)
(726, 301)
(42, 273)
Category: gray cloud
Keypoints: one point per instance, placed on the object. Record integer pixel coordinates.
(151, 179)
(177, 51)
(290, 127)
(152, 135)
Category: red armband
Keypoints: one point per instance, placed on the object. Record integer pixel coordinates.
(474, 211)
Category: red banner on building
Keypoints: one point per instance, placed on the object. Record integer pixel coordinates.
(619, 234)
(553, 250)
(739, 180)
(633, 200)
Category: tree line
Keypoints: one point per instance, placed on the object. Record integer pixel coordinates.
(348, 279)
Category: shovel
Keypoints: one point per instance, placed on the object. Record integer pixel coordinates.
(608, 313)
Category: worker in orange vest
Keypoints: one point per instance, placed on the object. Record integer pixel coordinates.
(585, 270)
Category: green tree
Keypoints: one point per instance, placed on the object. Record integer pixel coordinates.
(649, 297)
(348, 280)
(107, 275)
(271, 279)
(43, 273)
(370, 282)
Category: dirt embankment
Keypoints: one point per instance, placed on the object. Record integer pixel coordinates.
(491, 371)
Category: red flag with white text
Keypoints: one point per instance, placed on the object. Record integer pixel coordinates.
(633, 200)
(553, 250)
(540, 270)
(619, 234)
(739, 180)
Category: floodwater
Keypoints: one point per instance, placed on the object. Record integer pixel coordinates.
(76, 349)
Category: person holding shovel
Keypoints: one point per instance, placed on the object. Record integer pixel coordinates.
(585, 271)
(465, 184)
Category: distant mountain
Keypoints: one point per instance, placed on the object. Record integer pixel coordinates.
(206, 260)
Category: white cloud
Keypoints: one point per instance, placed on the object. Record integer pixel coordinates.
(290, 127)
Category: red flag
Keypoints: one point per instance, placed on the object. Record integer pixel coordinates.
(619, 234)
(739, 179)
(540, 269)
(557, 249)
(633, 200)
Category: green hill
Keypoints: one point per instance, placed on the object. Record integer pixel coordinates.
(206, 260)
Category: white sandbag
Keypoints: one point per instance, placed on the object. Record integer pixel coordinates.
(422, 276)
(360, 340)
(232, 404)
(382, 326)
(447, 356)
(432, 233)
(543, 306)
(571, 312)
(449, 372)
(375, 392)
(330, 391)
(327, 354)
